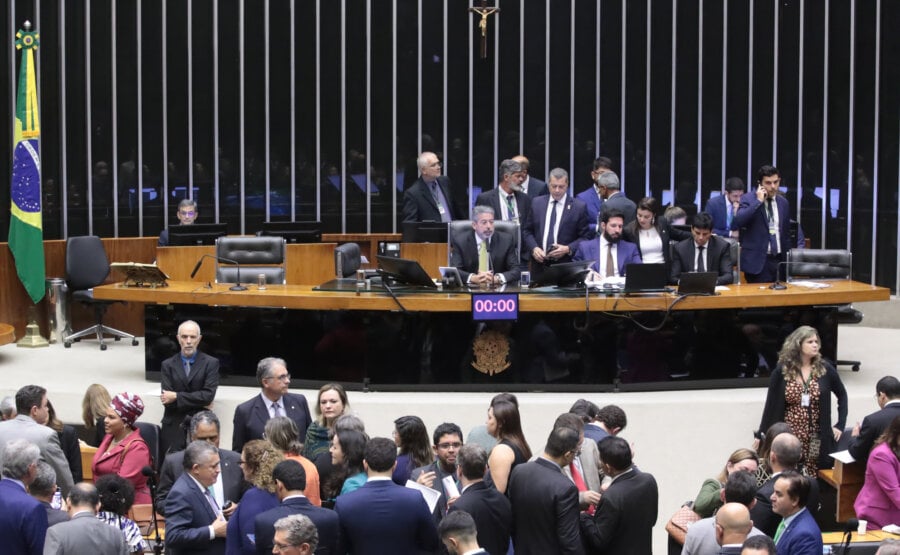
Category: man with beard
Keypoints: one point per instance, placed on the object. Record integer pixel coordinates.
(483, 256)
(447, 442)
(704, 252)
(509, 201)
(609, 252)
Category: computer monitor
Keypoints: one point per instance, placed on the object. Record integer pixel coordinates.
(196, 234)
(294, 232)
(424, 232)
(404, 271)
(566, 274)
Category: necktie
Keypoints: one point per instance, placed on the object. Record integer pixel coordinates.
(437, 200)
(511, 208)
(551, 230)
(610, 263)
(212, 500)
(187, 368)
(701, 267)
(482, 257)
(770, 214)
(779, 530)
(579, 483)
(729, 214)
(276, 409)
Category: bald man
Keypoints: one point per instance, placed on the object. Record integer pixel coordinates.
(733, 525)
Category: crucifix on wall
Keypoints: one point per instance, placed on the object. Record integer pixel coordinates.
(484, 11)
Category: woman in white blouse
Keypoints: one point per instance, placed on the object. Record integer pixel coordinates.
(652, 233)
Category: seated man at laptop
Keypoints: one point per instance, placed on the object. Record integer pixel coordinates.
(610, 253)
(484, 257)
(187, 213)
(703, 252)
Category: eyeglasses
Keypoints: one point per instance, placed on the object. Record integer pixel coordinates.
(454, 445)
(282, 546)
(187, 212)
(282, 378)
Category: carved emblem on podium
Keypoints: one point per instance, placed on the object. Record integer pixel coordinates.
(491, 352)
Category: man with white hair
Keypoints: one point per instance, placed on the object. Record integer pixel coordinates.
(23, 520)
(8, 408)
(430, 198)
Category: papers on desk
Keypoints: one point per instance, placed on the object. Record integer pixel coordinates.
(810, 284)
(892, 529)
(720, 288)
(431, 496)
(612, 282)
(843, 456)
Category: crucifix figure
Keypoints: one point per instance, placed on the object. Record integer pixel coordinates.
(484, 11)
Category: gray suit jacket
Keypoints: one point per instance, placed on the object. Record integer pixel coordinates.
(84, 534)
(621, 203)
(590, 466)
(47, 440)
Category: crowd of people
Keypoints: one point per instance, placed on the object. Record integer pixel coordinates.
(342, 491)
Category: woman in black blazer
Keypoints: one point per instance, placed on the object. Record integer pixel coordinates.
(652, 233)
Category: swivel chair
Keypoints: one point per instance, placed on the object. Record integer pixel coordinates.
(255, 255)
(346, 260)
(87, 266)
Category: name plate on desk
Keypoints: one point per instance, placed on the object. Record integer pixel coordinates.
(495, 306)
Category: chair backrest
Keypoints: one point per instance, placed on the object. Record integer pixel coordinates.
(459, 230)
(256, 255)
(735, 253)
(348, 254)
(86, 262)
(819, 263)
(150, 433)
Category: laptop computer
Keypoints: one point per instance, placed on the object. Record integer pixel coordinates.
(697, 283)
(645, 278)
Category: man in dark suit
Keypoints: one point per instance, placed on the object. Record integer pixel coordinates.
(194, 521)
(187, 213)
(784, 456)
(591, 196)
(23, 520)
(732, 525)
(557, 226)
(614, 198)
(459, 534)
(490, 509)
(484, 257)
(510, 202)
(609, 246)
(230, 484)
(84, 533)
(545, 502)
(250, 417)
(797, 533)
(290, 481)
(704, 252)
(42, 488)
(382, 517)
(430, 198)
(627, 511)
(448, 439)
(763, 220)
(189, 379)
(887, 394)
(530, 185)
(722, 208)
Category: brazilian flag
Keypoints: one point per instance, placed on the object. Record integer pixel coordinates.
(26, 234)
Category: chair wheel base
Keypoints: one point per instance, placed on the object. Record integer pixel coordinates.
(134, 342)
(103, 346)
(855, 367)
(68, 344)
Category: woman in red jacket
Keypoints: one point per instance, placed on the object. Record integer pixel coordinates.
(123, 451)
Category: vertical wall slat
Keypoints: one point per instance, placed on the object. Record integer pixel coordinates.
(647, 191)
(750, 95)
(344, 176)
(674, 73)
(699, 194)
(63, 129)
(114, 105)
(724, 136)
(165, 114)
(241, 115)
(293, 58)
(875, 131)
(825, 192)
(87, 120)
(139, 49)
(394, 161)
(189, 59)
(801, 60)
(777, 36)
(215, 118)
(267, 102)
(622, 89)
(851, 110)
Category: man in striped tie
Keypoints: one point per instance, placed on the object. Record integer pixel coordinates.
(194, 521)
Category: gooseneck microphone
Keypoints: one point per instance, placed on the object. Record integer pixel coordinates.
(237, 286)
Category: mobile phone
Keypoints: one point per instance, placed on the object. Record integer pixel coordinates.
(228, 504)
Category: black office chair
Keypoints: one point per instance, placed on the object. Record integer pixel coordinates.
(346, 260)
(150, 433)
(256, 255)
(834, 264)
(87, 266)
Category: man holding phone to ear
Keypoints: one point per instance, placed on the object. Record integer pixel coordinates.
(763, 220)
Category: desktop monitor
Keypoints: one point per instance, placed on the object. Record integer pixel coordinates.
(196, 234)
(294, 232)
(404, 271)
(424, 232)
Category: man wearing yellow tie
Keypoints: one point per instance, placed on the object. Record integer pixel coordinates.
(485, 256)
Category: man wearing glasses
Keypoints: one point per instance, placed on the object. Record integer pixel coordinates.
(295, 534)
(187, 213)
(447, 441)
(251, 416)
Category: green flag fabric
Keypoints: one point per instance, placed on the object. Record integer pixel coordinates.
(26, 233)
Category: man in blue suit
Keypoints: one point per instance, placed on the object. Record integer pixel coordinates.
(609, 244)
(194, 522)
(558, 225)
(250, 417)
(798, 533)
(763, 220)
(382, 517)
(290, 481)
(592, 197)
(723, 207)
(23, 520)
(530, 185)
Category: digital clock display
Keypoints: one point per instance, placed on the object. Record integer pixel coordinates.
(495, 306)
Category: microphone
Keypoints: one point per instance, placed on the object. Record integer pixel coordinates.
(236, 287)
(148, 472)
(850, 526)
